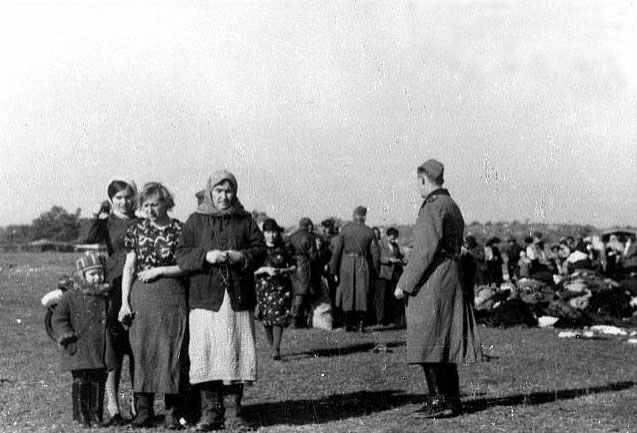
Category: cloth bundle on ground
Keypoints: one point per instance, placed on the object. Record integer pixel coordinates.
(510, 313)
(581, 299)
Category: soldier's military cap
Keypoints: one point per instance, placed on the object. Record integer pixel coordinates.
(360, 211)
(433, 169)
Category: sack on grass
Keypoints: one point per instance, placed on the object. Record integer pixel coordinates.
(322, 317)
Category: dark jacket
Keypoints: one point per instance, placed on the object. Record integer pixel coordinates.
(111, 232)
(85, 316)
(208, 283)
(389, 270)
(305, 252)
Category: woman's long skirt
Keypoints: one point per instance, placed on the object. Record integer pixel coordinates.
(222, 345)
(157, 335)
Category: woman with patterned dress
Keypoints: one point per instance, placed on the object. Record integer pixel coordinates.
(111, 223)
(220, 247)
(274, 288)
(154, 303)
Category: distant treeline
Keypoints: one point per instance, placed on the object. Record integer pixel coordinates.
(61, 226)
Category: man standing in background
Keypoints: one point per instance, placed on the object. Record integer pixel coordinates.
(304, 247)
(355, 260)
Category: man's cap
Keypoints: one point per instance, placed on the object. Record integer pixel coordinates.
(433, 169)
(360, 211)
(305, 222)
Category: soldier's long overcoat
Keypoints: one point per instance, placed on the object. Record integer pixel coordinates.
(355, 260)
(440, 323)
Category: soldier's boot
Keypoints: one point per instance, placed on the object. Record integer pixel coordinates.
(438, 404)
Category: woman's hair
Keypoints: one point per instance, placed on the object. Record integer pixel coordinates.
(155, 188)
(392, 231)
(118, 185)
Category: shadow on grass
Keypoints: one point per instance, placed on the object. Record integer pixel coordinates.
(347, 350)
(542, 397)
(331, 408)
(361, 403)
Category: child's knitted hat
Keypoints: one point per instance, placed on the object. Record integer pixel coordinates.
(90, 261)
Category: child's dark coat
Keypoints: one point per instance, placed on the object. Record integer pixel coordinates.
(84, 315)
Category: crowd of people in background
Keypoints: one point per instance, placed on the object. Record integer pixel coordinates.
(497, 260)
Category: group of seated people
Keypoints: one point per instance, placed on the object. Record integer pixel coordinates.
(613, 259)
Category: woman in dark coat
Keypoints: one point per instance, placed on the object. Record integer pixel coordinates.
(441, 328)
(152, 288)
(110, 226)
(274, 289)
(221, 246)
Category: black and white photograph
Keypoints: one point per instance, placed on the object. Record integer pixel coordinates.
(304, 216)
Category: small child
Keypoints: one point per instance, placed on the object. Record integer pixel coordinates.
(80, 321)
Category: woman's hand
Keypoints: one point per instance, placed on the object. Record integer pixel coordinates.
(104, 210)
(125, 313)
(398, 293)
(215, 257)
(271, 271)
(234, 257)
(148, 275)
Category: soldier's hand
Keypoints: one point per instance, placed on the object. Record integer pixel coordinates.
(398, 293)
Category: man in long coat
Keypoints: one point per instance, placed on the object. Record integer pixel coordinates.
(441, 329)
(355, 260)
(302, 242)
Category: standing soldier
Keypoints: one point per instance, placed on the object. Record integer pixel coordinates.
(303, 245)
(441, 328)
(354, 260)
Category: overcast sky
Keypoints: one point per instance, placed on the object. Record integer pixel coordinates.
(318, 107)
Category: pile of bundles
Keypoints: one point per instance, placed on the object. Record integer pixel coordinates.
(582, 299)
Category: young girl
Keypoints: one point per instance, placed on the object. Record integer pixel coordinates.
(80, 321)
(274, 288)
(111, 223)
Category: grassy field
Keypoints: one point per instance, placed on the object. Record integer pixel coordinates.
(333, 382)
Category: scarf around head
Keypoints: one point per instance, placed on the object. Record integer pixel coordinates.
(208, 207)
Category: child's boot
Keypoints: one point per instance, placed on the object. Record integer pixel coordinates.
(96, 403)
(84, 402)
(75, 396)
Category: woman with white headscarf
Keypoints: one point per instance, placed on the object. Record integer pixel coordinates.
(221, 246)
